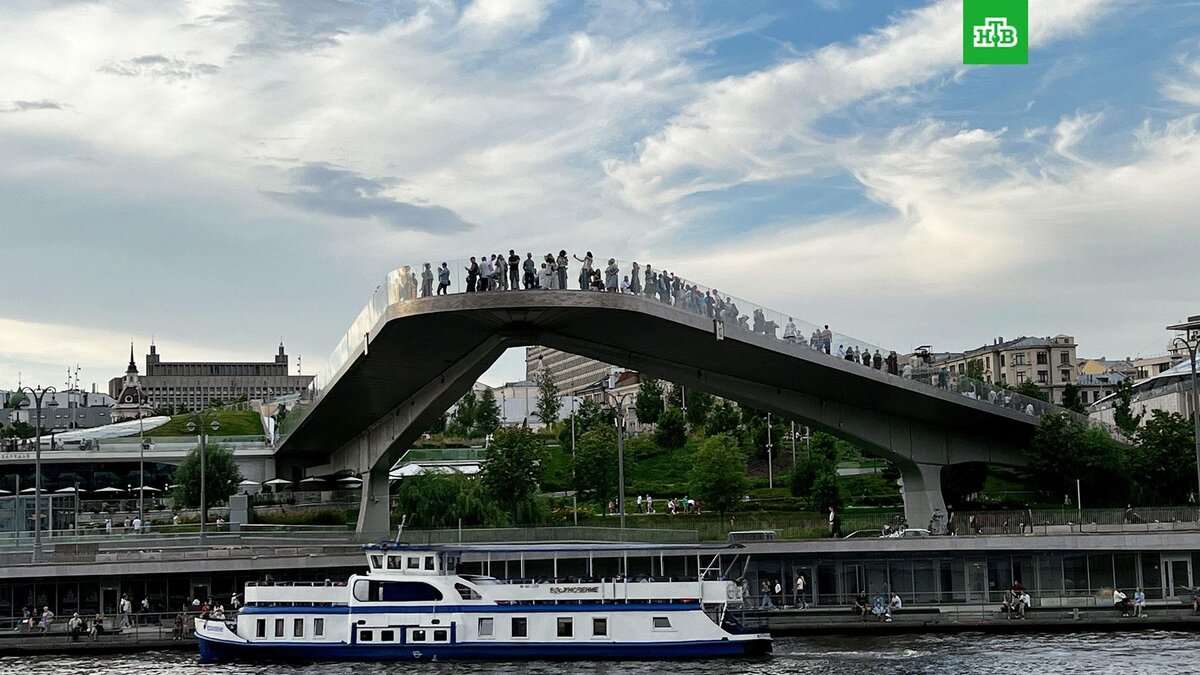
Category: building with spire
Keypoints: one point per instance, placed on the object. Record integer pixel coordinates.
(194, 385)
(130, 401)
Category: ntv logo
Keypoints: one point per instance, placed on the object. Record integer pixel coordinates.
(995, 32)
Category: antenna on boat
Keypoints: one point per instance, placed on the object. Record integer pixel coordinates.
(400, 527)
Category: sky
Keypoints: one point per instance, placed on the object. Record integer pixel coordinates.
(221, 175)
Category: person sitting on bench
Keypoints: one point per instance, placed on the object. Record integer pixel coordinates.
(1121, 602)
(97, 627)
(860, 605)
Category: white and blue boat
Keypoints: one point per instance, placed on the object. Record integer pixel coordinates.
(413, 605)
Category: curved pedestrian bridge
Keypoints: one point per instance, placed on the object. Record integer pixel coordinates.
(411, 353)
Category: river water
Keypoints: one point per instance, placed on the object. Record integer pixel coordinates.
(1158, 652)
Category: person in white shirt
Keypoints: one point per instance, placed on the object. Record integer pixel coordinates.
(137, 525)
(895, 603)
(789, 331)
(1119, 601)
(800, 600)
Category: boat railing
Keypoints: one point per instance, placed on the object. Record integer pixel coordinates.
(322, 584)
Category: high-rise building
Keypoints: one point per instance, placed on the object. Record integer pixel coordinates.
(571, 373)
(194, 384)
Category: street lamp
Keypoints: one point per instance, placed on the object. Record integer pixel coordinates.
(620, 403)
(1192, 344)
(770, 463)
(37, 395)
(198, 421)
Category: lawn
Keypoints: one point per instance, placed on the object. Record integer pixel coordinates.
(233, 423)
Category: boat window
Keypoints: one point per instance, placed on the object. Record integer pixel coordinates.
(466, 592)
(414, 562)
(485, 626)
(520, 627)
(566, 627)
(318, 627)
(278, 627)
(599, 627)
(366, 635)
(394, 561)
(418, 636)
(662, 622)
(261, 629)
(298, 628)
(387, 636)
(429, 562)
(362, 590)
(451, 563)
(377, 561)
(407, 591)
(439, 635)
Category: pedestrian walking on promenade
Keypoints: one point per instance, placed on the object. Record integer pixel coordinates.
(443, 279)
(530, 269)
(561, 263)
(612, 276)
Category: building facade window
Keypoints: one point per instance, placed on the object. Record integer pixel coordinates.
(1065, 374)
(1019, 359)
(1043, 377)
(1064, 358)
(1043, 358)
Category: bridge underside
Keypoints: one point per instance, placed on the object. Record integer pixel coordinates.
(426, 354)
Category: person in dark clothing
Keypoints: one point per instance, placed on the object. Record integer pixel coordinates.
(514, 265)
(893, 364)
(877, 360)
(530, 268)
(472, 275)
(865, 357)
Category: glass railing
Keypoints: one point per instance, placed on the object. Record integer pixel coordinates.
(738, 317)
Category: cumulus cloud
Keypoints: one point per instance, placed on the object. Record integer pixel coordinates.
(504, 15)
(159, 67)
(325, 189)
(761, 126)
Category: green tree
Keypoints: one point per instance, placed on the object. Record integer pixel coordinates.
(548, 402)
(672, 429)
(438, 425)
(589, 415)
(699, 403)
(487, 413)
(722, 419)
(806, 472)
(649, 404)
(1071, 399)
(1122, 408)
(280, 415)
(1028, 388)
(975, 369)
(17, 398)
(221, 477)
(434, 500)
(826, 492)
(594, 466)
(718, 473)
(959, 481)
(1063, 450)
(513, 472)
(1162, 461)
(463, 421)
(19, 430)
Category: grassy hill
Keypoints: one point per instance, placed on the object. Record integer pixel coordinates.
(233, 423)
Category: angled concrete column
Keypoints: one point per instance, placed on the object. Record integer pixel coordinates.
(922, 492)
(374, 512)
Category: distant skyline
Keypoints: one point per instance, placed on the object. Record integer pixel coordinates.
(223, 174)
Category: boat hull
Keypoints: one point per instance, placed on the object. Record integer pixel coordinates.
(217, 650)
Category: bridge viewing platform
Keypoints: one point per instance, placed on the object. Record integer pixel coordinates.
(410, 354)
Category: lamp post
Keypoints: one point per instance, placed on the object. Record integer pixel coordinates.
(770, 463)
(199, 421)
(620, 403)
(141, 459)
(1191, 342)
(37, 395)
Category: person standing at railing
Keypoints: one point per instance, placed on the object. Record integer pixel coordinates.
(789, 331)
(124, 607)
(426, 281)
(550, 282)
(826, 339)
(485, 273)
(648, 287)
(612, 276)
(893, 364)
(635, 281)
(546, 278)
(877, 360)
(472, 275)
(585, 271)
(529, 267)
(560, 264)
(443, 279)
(514, 270)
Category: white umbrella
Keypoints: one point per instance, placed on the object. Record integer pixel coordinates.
(5, 492)
(248, 483)
(29, 491)
(148, 489)
(110, 489)
(313, 479)
(351, 482)
(69, 490)
(278, 481)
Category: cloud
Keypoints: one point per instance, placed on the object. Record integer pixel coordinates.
(331, 190)
(159, 67)
(498, 16)
(762, 126)
(24, 106)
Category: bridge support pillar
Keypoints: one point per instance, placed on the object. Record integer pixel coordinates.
(922, 492)
(374, 511)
